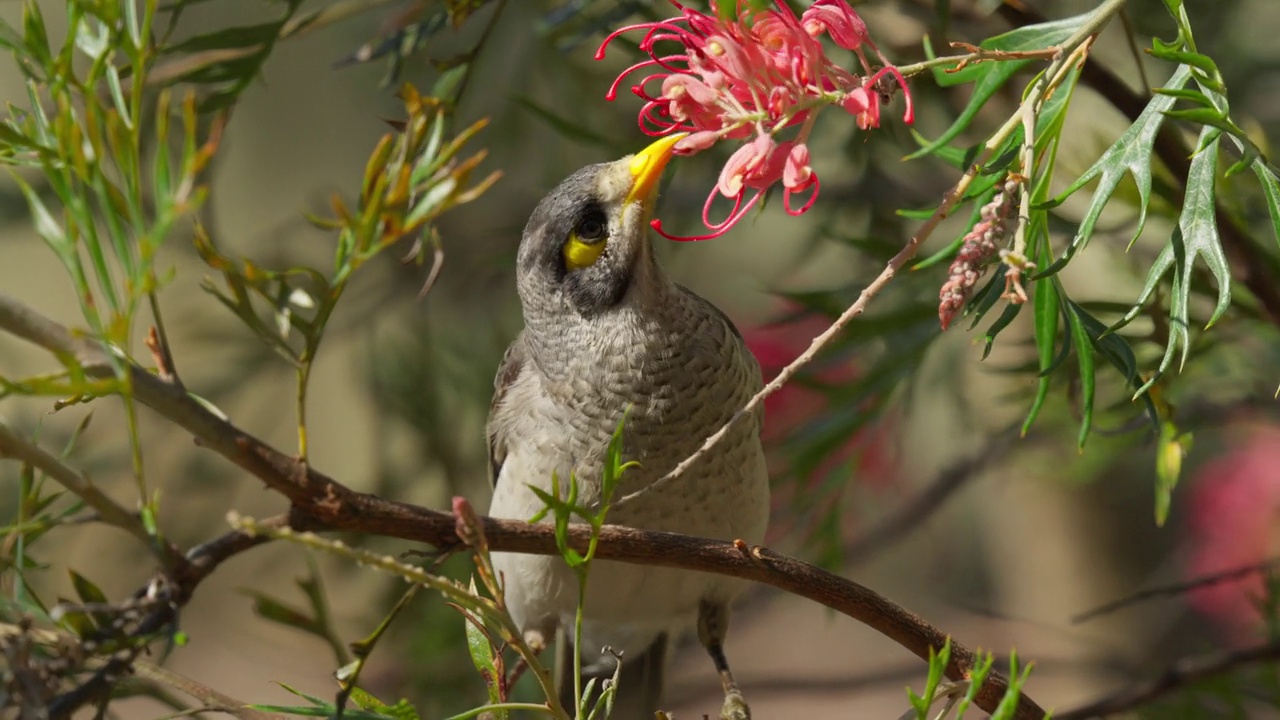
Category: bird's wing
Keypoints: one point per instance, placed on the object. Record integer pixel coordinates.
(513, 363)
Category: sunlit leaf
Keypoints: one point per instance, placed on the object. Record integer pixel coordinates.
(1132, 154)
(1195, 237)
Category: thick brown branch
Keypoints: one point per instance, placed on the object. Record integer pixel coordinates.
(1178, 676)
(321, 503)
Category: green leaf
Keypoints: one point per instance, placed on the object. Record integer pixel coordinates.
(1271, 188)
(1084, 354)
(1045, 300)
(86, 590)
(988, 77)
(1117, 352)
(1007, 316)
(1132, 154)
(938, 661)
(1196, 236)
(1170, 450)
(481, 648)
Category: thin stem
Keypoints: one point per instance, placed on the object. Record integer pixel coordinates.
(16, 447)
(300, 406)
(530, 707)
(163, 351)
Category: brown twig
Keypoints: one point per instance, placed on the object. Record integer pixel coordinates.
(913, 515)
(1175, 677)
(1181, 588)
(178, 585)
(13, 445)
(321, 503)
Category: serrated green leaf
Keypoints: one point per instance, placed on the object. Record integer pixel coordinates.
(1115, 349)
(1196, 236)
(1131, 154)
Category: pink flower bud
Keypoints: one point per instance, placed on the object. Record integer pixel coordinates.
(744, 164)
(839, 20)
(796, 173)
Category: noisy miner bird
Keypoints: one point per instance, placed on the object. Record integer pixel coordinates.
(607, 332)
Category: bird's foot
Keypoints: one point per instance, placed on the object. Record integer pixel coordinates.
(735, 707)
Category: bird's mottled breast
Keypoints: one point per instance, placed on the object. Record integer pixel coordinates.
(679, 366)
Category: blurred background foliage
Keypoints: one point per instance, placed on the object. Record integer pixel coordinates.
(896, 455)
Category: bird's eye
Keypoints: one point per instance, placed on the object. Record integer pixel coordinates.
(590, 228)
(585, 245)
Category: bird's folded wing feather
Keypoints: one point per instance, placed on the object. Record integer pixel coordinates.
(513, 363)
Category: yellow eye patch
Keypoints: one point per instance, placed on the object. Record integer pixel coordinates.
(579, 254)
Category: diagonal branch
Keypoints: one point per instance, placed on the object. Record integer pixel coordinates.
(1176, 677)
(16, 447)
(321, 503)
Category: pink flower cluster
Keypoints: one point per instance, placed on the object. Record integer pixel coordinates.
(748, 75)
(979, 248)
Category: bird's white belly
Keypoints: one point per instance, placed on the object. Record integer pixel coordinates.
(627, 605)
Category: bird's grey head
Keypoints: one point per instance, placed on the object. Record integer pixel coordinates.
(586, 245)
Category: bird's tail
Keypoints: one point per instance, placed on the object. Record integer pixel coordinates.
(639, 684)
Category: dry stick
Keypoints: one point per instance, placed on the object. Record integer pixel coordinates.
(917, 511)
(1182, 588)
(213, 700)
(320, 503)
(1175, 677)
(198, 564)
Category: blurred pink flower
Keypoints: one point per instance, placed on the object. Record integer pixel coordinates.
(754, 72)
(1235, 522)
(775, 345)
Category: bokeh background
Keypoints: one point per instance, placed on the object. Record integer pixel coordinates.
(1030, 535)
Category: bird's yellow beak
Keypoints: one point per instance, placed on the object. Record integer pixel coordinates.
(647, 166)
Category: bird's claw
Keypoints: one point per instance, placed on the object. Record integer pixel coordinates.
(735, 707)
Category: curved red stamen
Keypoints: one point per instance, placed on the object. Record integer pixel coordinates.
(612, 94)
(656, 224)
(813, 196)
(717, 229)
(660, 125)
(610, 37)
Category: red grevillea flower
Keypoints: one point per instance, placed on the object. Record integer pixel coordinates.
(750, 75)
